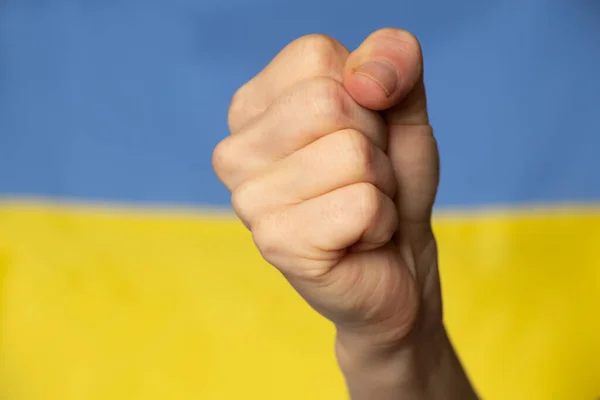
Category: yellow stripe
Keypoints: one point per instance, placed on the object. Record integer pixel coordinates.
(112, 304)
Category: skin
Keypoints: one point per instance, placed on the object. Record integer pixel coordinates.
(333, 167)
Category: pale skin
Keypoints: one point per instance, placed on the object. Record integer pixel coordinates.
(334, 169)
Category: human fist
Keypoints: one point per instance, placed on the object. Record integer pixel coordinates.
(338, 197)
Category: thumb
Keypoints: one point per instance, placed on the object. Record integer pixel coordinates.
(385, 73)
(386, 70)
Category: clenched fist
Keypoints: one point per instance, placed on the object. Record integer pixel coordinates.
(333, 167)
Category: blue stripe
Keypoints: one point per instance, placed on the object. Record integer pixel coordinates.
(125, 100)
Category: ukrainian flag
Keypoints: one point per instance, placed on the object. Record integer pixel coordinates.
(123, 274)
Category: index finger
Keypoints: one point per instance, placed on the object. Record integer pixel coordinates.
(310, 56)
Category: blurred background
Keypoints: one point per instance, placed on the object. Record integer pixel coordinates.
(123, 274)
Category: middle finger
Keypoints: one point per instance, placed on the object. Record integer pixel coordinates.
(310, 110)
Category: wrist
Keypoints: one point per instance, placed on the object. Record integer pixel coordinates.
(416, 367)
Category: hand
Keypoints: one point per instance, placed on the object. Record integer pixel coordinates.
(333, 167)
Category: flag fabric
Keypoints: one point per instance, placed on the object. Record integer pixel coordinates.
(124, 275)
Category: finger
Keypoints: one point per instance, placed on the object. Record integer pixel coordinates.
(386, 72)
(305, 113)
(310, 238)
(340, 159)
(307, 57)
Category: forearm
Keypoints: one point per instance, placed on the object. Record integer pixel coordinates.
(430, 371)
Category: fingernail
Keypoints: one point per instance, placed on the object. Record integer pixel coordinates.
(383, 73)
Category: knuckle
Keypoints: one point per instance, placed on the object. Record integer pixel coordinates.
(266, 237)
(221, 157)
(320, 53)
(411, 40)
(358, 151)
(329, 99)
(406, 37)
(403, 41)
(412, 46)
(369, 202)
(243, 200)
(236, 107)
